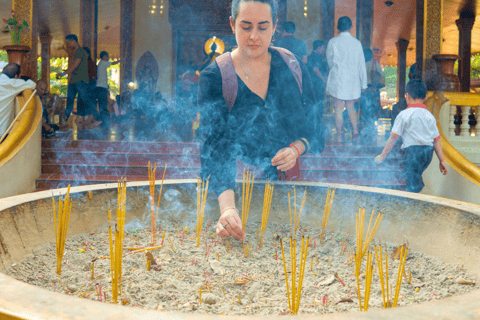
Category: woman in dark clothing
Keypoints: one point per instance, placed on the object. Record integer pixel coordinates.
(270, 124)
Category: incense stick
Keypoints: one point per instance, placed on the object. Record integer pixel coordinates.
(296, 215)
(267, 202)
(326, 212)
(294, 296)
(202, 191)
(61, 230)
(151, 181)
(246, 196)
(401, 269)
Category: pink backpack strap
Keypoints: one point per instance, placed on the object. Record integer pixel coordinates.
(229, 79)
(292, 64)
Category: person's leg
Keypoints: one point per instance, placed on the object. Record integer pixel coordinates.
(102, 96)
(408, 169)
(339, 105)
(353, 115)
(419, 159)
(89, 101)
(72, 92)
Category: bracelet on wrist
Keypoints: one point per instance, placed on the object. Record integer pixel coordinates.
(306, 144)
(296, 148)
(228, 208)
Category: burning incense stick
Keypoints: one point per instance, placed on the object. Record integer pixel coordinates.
(326, 212)
(151, 180)
(368, 280)
(362, 246)
(64, 209)
(401, 269)
(380, 272)
(246, 196)
(295, 295)
(160, 194)
(296, 215)
(202, 191)
(267, 202)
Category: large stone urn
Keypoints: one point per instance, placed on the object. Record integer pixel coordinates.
(449, 81)
(17, 54)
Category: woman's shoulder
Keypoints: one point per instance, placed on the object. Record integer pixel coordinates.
(211, 72)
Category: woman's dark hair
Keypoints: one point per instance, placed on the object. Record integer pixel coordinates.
(344, 23)
(368, 54)
(272, 3)
(103, 54)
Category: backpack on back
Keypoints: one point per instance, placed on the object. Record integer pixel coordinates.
(230, 90)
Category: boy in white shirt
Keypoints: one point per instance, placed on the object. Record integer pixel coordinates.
(102, 85)
(420, 136)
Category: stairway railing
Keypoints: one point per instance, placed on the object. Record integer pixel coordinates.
(453, 157)
(20, 152)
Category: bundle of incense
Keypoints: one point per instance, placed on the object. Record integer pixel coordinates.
(296, 217)
(246, 196)
(202, 191)
(362, 246)
(159, 197)
(267, 202)
(326, 212)
(295, 294)
(64, 209)
(368, 282)
(383, 277)
(151, 180)
(122, 200)
(401, 270)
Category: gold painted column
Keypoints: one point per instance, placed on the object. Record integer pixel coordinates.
(433, 28)
(24, 10)
(46, 41)
(365, 22)
(328, 23)
(127, 39)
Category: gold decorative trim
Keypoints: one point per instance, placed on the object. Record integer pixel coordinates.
(454, 158)
(23, 129)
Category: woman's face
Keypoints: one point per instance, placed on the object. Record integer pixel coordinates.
(253, 28)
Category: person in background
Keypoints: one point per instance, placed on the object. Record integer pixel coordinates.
(78, 83)
(420, 137)
(370, 105)
(348, 74)
(318, 67)
(48, 107)
(10, 86)
(102, 85)
(291, 43)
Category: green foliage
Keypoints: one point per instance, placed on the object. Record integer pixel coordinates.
(3, 56)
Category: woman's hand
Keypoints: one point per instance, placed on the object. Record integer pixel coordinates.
(230, 224)
(285, 159)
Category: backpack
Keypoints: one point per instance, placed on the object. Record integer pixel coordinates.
(230, 90)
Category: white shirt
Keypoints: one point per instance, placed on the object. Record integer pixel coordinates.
(102, 74)
(416, 125)
(348, 75)
(9, 89)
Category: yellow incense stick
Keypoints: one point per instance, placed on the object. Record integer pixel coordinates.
(61, 229)
(202, 191)
(267, 202)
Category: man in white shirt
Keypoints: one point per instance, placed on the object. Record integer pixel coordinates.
(102, 85)
(348, 75)
(10, 86)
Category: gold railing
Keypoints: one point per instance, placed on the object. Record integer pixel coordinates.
(454, 158)
(23, 128)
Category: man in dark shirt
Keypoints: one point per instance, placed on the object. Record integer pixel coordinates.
(291, 43)
(318, 67)
(78, 80)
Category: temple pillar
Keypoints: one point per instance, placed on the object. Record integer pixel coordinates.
(402, 46)
(45, 40)
(327, 15)
(365, 22)
(420, 35)
(24, 10)
(87, 24)
(127, 39)
(434, 28)
(465, 26)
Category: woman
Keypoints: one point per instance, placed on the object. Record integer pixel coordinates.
(267, 124)
(348, 75)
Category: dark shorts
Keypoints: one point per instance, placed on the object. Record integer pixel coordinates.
(415, 160)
